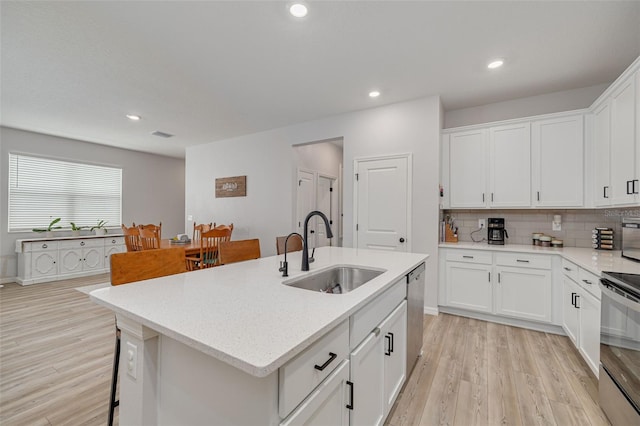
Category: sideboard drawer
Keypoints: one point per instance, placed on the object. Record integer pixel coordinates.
(115, 241)
(80, 244)
(40, 246)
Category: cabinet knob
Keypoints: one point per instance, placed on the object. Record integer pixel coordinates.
(44, 246)
(113, 241)
(81, 243)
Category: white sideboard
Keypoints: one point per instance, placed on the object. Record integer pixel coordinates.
(53, 259)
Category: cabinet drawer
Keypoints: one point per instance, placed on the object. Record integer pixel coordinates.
(114, 241)
(79, 244)
(589, 282)
(40, 246)
(523, 260)
(470, 256)
(368, 318)
(570, 269)
(302, 374)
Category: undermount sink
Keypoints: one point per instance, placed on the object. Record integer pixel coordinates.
(336, 280)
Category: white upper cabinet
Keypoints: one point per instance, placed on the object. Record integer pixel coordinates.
(624, 184)
(510, 165)
(601, 158)
(468, 169)
(558, 147)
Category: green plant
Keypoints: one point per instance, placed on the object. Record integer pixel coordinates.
(50, 227)
(101, 224)
(76, 228)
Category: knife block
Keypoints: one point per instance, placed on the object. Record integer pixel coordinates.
(449, 236)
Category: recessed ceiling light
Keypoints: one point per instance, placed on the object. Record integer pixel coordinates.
(298, 10)
(133, 117)
(495, 64)
(374, 94)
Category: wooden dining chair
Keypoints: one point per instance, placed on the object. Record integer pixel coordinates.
(294, 244)
(221, 226)
(149, 239)
(238, 251)
(156, 228)
(132, 238)
(137, 266)
(209, 243)
(199, 229)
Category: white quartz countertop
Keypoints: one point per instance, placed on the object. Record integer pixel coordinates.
(242, 314)
(595, 261)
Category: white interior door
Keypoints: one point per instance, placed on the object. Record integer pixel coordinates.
(325, 201)
(306, 203)
(382, 197)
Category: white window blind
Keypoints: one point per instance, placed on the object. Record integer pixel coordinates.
(42, 189)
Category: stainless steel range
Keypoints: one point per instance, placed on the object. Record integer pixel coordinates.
(619, 382)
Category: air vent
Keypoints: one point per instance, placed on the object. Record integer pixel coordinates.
(161, 134)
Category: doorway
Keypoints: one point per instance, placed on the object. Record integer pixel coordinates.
(318, 186)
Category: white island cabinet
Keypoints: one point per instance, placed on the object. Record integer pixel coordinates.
(53, 259)
(235, 345)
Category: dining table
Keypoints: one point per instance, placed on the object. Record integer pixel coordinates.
(191, 248)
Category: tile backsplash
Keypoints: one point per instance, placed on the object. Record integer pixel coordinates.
(577, 224)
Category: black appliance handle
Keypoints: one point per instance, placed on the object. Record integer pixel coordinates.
(506, 234)
(607, 291)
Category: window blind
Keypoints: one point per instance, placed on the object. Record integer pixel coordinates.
(42, 189)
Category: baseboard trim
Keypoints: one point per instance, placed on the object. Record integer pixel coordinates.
(8, 280)
(428, 310)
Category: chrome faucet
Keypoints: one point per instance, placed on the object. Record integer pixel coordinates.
(305, 246)
(284, 266)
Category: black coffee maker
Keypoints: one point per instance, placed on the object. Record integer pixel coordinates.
(495, 231)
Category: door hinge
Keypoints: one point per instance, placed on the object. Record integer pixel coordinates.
(330, 189)
(300, 182)
(299, 224)
(357, 227)
(330, 222)
(357, 176)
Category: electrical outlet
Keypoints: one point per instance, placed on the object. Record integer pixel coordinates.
(132, 359)
(482, 223)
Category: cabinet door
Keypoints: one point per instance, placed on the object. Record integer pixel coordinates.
(524, 293)
(589, 330)
(367, 376)
(70, 261)
(510, 166)
(109, 250)
(623, 144)
(469, 286)
(92, 258)
(467, 169)
(558, 146)
(394, 332)
(327, 404)
(601, 157)
(570, 314)
(44, 263)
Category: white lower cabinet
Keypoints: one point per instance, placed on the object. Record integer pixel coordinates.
(469, 286)
(43, 261)
(367, 376)
(81, 255)
(581, 313)
(327, 405)
(353, 374)
(524, 293)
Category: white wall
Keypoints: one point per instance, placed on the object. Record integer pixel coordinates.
(152, 185)
(323, 157)
(524, 107)
(266, 158)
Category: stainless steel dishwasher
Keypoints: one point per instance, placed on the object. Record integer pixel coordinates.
(415, 315)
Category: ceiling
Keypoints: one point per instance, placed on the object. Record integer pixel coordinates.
(205, 71)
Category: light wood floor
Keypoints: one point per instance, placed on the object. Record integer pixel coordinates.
(56, 353)
(479, 373)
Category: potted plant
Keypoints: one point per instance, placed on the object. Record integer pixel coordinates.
(49, 229)
(75, 230)
(100, 228)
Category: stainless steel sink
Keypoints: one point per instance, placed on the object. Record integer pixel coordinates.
(336, 280)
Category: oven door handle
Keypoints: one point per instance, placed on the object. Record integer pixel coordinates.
(606, 291)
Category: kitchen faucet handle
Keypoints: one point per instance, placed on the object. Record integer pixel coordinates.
(311, 258)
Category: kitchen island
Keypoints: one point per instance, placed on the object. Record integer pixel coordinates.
(208, 346)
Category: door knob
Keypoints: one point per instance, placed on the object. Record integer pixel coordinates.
(402, 240)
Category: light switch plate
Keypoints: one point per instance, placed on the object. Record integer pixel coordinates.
(482, 223)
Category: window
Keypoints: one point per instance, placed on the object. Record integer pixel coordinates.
(42, 189)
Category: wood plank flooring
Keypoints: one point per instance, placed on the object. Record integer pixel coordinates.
(479, 373)
(56, 353)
